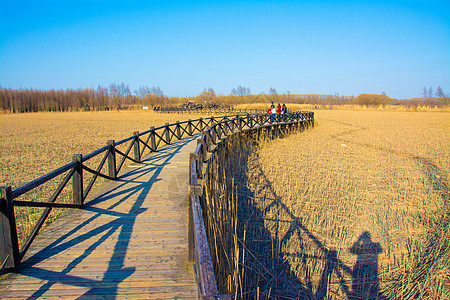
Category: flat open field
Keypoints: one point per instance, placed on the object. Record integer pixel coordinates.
(36, 143)
(360, 204)
(366, 190)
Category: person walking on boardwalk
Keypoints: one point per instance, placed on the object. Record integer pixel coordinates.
(283, 111)
(274, 113)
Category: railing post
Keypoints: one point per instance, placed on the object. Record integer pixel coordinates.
(207, 140)
(191, 237)
(167, 133)
(9, 243)
(77, 180)
(249, 121)
(137, 152)
(193, 157)
(178, 130)
(112, 159)
(189, 127)
(213, 135)
(204, 150)
(219, 131)
(152, 138)
(201, 124)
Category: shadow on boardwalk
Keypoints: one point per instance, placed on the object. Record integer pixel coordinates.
(91, 228)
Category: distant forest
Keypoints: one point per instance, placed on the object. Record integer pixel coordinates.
(119, 96)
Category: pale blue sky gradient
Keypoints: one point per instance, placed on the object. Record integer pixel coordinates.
(323, 47)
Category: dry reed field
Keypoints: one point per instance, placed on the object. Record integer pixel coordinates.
(34, 144)
(359, 205)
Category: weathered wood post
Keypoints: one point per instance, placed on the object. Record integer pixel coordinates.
(9, 243)
(213, 135)
(203, 157)
(207, 140)
(191, 236)
(152, 138)
(220, 131)
(167, 133)
(77, 180)
(195, 190)
(137, 152)
(178, 130)
(232, 124)
(112, 159)
(249, 121)
(201, 124)
(189, 127)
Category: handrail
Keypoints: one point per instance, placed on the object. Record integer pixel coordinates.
(198, 241)
(212, 128)
(41, 180)
(205, 109)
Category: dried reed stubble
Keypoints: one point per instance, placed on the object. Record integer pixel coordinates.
(247, 258)
(365, 174)
(37, 143)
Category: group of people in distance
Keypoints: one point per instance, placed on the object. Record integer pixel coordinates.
(277, 112)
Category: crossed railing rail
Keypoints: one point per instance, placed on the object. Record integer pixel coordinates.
(213, 129)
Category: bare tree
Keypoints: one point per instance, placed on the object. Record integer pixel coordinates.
(240, 91)
(273, 92)
(425, 93)
(114, 92)
(439, 92)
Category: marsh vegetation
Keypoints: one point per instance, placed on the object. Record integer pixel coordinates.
(356, 208)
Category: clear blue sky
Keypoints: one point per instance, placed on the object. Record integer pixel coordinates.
(324, 47)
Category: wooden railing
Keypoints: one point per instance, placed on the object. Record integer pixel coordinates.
(213, 129)
(208, 110)
(198, 249)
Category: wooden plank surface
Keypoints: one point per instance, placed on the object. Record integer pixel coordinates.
(130, 241)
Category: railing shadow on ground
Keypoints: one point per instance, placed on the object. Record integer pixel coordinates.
(266, 275)
(364, 277)
(122, 224)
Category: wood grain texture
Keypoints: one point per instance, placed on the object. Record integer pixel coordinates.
(130, 241)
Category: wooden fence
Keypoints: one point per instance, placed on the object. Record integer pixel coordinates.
(199, 248)
(213, 129)
(209, 110)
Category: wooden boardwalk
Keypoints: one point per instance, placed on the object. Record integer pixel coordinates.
(130, 241)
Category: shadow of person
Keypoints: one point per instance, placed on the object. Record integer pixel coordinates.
(365, 272)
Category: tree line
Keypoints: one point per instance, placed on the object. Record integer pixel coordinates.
(115, 96)
(119, 96)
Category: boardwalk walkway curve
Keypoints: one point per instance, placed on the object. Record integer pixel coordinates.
(130, 240)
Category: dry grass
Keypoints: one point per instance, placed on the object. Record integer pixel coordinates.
(356, 208)
(34, 144)
(374, 178)
(352, 107)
